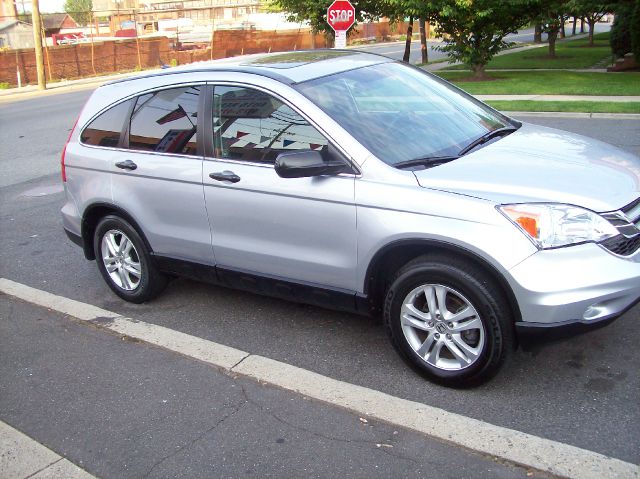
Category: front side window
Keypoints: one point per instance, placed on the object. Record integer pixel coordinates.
(253, 126)
(106, 128)
(165, 121)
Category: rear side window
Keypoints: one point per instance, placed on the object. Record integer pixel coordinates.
(165, 121)
(106, 128)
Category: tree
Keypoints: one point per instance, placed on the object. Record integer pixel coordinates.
(407, 43)
(552, 13)
(635, 31)
(79, 10)
(424, 33)
(621, 30)
(592, 11)
(473, 31)
(537, 33)
(315, 12)
(423, 10)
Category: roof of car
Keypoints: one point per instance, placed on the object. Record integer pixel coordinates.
(289, 67)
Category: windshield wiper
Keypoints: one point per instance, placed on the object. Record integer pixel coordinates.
(427, 162)
(486, 137)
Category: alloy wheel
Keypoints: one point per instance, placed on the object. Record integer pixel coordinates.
(442, 327)
(121, 260)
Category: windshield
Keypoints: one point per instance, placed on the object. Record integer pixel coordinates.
(400, 113)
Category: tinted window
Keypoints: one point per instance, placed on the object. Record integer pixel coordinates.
(165, 121)
(105, 129)
(251, 125)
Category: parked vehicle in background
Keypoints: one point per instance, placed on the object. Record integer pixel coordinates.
(351, 181)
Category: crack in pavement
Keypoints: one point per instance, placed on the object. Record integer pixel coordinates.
(195, 440)
(44, 468)
(333, 438)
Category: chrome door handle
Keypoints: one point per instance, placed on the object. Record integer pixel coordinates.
(225, 176)
(126, 165)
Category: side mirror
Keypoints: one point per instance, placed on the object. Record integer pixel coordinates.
(306, 163)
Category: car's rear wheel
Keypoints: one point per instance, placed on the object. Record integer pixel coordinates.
(449, 320)
(124, 262)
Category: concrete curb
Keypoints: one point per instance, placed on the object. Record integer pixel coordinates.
(21, 457)
(506, 444)
(575, 115)
(530, 97)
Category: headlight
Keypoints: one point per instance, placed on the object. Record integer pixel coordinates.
(552, 225)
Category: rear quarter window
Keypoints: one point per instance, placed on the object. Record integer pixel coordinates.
(165, 121)
(106, 128)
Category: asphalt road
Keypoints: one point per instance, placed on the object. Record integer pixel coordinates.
(124, 409)
(396, 49)
(583, 391)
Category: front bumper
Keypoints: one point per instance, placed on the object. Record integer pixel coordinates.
(569, 290)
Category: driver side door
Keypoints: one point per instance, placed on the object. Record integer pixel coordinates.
(300, 230)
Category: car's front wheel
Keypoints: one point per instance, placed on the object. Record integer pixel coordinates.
(124, 261)
(449, 320)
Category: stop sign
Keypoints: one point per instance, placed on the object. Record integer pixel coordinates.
(341, 15)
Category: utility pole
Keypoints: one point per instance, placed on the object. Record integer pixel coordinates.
(37, 40)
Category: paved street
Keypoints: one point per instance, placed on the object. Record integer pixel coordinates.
(98, 400)
(125, 409)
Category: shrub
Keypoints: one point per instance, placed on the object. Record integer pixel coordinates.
(635, 31)
(621, 30)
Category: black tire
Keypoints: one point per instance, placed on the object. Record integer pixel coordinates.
(138, 287)
(462, 285)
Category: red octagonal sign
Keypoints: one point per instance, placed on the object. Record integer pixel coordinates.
(341, 15)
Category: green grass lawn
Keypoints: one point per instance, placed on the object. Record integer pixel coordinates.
(570, 54)
(549, 83)
(572, 106)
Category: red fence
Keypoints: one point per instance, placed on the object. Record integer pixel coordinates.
(84, 60)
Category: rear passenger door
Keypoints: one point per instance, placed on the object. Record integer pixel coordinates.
(158, 178)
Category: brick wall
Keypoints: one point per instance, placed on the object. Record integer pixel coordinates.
(382, 31)
(74, 61)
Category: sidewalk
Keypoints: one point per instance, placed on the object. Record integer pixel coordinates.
(23, 458)
(603, 98)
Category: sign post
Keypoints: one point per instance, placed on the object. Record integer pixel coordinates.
(341, 17)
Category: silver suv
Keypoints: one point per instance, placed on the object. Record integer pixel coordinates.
(348, 180)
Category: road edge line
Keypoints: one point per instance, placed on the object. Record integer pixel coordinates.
(514, 446)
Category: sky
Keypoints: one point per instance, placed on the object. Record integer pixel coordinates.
(46, 6)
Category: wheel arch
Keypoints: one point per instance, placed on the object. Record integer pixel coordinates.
(396, 254)
(92, 216)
